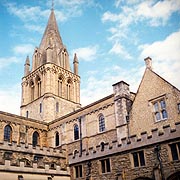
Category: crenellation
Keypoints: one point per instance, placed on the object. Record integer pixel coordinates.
(128, 144)
(14, 147)
(34, 168)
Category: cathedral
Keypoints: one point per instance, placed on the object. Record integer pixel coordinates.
(123, 136)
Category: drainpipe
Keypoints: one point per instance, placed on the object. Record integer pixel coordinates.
(80, 129)
(127, 121)
(157, 150)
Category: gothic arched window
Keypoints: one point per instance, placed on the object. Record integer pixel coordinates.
(32, 90)
(38, 86)
(35, 139)
(68, 89)
(27, 114)
(8, 133)
(101, 123)
(76, 132)
(40, 107)
(57, 139)
(60, 86)
(57, 107)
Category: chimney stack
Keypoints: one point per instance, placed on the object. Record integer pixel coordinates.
(148, 62)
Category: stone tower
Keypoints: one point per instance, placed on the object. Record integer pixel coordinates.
(50, 89)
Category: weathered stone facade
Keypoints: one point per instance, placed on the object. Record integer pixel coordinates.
(124, 136)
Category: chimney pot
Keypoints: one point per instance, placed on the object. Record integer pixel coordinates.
(148, 62)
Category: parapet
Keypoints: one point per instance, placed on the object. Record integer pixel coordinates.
(28, 148)
(127, 144)
(34, 169)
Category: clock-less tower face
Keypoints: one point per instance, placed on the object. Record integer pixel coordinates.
(50, 89)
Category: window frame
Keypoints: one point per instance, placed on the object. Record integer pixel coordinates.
(35, 142)
(178, 107)
(76, 132)
(177, 149)
(78, 171)
(159, 107)
(101, 123)
(57, 107)
(105, 166)
(57, 139)
(40, 108)
(8, 133)
(140, 161)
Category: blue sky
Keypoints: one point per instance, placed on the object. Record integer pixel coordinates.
(111, 39)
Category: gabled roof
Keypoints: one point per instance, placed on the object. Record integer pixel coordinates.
(161, 78)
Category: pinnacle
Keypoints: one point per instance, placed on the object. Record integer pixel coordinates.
(27, 60)
(75, 58)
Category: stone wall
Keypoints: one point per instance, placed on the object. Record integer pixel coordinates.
(142, 116)
(121, 158)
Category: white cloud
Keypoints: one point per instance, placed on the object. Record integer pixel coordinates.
(26, 13)
(117, 3)
(6, 61)
(98, 87)
(86, 53)
(120, 50)
(23, 49)
(152, 12)
(32, 27)
(158, 12)
(10, 99)
(165, 55)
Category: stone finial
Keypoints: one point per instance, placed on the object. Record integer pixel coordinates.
(148, 62)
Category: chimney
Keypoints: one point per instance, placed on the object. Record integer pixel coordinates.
(148, 62)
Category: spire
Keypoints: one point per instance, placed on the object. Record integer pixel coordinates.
(75, 62)
(52, 8)
(51, 35)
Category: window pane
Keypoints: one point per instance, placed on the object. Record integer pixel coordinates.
(7, 133)
(108, 165)
(35, 139)
(76, 132)
(179, 107)
(57, 139)
(156, 107)
(141, 157)
(164, 114)
(101, 123)
(135, 157)
(174, 152)
(76, 171)
(179, 147)
(40, 108)
(103, 166)
(57, 107)
(158, 116)
(80, 171)
(163, 104)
